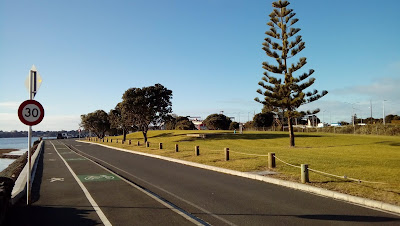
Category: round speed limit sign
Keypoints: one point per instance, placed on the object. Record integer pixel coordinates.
(30, 112)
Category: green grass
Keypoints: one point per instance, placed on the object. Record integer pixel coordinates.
(365, 157)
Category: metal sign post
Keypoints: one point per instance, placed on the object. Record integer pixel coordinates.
(33, 115)
(28, 178)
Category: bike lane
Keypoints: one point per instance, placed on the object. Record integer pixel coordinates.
(56, 197)
(122, 202)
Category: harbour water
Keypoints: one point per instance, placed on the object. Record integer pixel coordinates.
(19, 143)
(16, 143)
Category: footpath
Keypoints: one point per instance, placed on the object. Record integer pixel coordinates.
(69, 189)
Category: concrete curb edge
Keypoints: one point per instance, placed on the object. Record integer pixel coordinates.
(289, 184)
(20, 184)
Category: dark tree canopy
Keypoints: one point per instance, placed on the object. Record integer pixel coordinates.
(145, 106)
(281, 89)
(183, 123)
(234, 125)
(217, 122)
(119, 121)
(179, 123)
(96, 122)
(263, 119)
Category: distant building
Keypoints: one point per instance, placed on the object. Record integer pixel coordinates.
(198, 123)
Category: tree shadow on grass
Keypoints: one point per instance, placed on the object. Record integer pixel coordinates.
(163, 135)
(259, 136)
(391, 143)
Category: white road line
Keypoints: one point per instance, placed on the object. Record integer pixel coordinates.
(153, 185)
(96, 207)
(166, 204)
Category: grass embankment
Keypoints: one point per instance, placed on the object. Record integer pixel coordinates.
(370, 158)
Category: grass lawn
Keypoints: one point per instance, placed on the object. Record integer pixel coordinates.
(364, 157)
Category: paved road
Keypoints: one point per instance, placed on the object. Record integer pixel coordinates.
(72, 190)
(211, 197)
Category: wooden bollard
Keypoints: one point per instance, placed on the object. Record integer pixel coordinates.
(122, 141)
(147, 144)
(138, 143)
(111, 140)
(130, 142)
(176, 148)
(160, 146)
(107, 140)
(117, 141)
(197, 150)
(304, 173)
(226, 154)
(271, 160)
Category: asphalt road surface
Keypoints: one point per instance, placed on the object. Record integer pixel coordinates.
(199, 196)
(86, 184)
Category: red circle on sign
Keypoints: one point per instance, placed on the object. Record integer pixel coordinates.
(30, 113)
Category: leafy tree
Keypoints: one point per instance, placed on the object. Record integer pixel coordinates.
(97, 122)
(145, 106)
(217, 122)
(389, 118)
(170, 122)
(119, 121)
(263, 119)
(178, 123)
(248, 125)
(234, 125)
(183, 123)
(287, 92)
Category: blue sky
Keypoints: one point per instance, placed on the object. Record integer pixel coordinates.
(207, 52)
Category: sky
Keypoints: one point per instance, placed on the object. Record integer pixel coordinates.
(209, 53)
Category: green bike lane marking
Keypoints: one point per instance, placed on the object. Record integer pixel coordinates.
(98, 177)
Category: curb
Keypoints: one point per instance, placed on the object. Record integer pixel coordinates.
(20, 184)
(289, 184)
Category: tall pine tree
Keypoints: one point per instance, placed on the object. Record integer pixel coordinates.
(285, 91)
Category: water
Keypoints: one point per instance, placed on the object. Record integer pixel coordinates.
(20, 143)
(16, 143)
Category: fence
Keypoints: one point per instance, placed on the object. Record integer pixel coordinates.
(304, 169)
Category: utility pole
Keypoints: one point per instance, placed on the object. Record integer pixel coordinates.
(370, 106)
(384, 112)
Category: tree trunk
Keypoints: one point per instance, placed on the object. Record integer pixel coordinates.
(124, 133)
(145, 135)
(291, 132)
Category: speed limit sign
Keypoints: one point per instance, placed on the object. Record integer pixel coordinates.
(30, 112)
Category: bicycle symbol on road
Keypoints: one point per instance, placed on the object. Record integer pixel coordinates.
(99, 177)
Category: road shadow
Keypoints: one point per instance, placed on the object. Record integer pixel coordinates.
(349, 218)
(326, 217)
(37, 183)
(45, 215)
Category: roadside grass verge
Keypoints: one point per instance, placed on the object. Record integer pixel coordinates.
(364, 157)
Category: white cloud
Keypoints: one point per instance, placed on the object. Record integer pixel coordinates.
(10, 121)
(9, 106)
(382, 88)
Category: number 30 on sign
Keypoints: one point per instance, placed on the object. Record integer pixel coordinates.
(30, 112)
